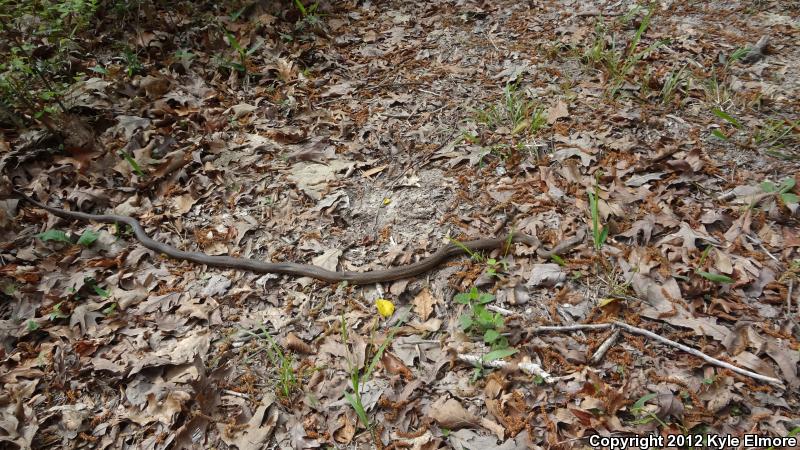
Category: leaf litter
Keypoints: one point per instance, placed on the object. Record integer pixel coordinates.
(359, 135)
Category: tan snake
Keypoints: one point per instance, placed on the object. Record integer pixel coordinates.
(295, 269)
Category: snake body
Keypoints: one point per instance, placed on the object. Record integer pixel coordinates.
(289, 268)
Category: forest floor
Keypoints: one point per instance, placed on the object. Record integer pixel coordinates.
(655, 147)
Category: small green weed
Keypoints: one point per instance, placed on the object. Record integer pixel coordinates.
(494, 267)
(713, 277)
(599, 234)
(132, 64)
(56, 312)
(287, 380)
(87, 238)
(645, 416)
(480, 320)
(137, 169)
(673, 82)
(515, 115)
(773, 136)
(777, 134)
(795, 431)
(243, 53)
(783, 190)
(619, 62)
(357, 378)
(310, 17)
(283, 364)
(717, 92)
(516, 112)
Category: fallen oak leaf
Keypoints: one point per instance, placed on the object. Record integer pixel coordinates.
(449, 413)
(423, 304)
(688, 237)
(394, 365)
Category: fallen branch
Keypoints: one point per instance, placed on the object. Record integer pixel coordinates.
(607, 344)
(698, 353)
(651, 335)
(526, 366)
(563, 328)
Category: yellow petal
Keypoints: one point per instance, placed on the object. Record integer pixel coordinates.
(385, 307)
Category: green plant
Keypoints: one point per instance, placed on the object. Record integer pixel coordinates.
(714, 277)
(515, 111)
(283, 365)
(54, 235)
(137, 169)
(737, 54)
(185, 57)
(599, 234)
(516, 116)
(309, 15)
(481, 321)
(776, 134)
(672, 83)
(354, 398)
(132, 64)
(645, 416)
(244, 53)
(56, 312)
(619, 62)
(795, 431)
(357, 378)
(718, 132)
(717, 92)
(31, 325)
(783, 190)
(87, 238)
(493, 266)
(110, 309)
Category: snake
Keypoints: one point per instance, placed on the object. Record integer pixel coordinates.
(298, 269)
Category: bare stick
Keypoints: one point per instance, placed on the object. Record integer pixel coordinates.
(607, 344)
(698, 353)
(526, 366)
(789, 298)
(501, 311)
(563, 328)
(761, 246)
(651, 335)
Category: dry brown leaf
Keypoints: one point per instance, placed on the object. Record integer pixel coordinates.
(424, 303)
(449, 413)
(257, 430)
(297, 345)
(557, 111)
(395, 366)
(345, 429)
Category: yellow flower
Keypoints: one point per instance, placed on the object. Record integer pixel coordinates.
(385, 307)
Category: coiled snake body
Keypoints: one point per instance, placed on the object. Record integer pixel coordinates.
(288, 268)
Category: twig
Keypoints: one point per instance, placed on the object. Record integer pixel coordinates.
(761, 245)
(607, 344)
(526, 366)
(578, 327)
(651, 335)
(236, 394)
(697, 353)
(501, 311)
(789, 298)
